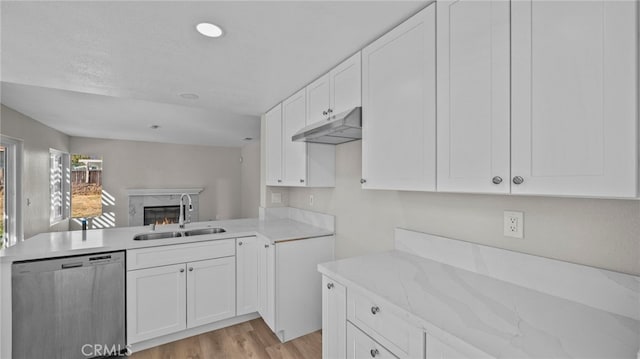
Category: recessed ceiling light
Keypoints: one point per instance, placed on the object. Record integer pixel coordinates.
(209, 30)
(189, 96)
(154, 127)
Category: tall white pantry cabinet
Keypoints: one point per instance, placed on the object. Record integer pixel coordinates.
(538, 97)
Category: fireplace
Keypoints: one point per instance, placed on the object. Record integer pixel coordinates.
(161, 214)
(147, 206)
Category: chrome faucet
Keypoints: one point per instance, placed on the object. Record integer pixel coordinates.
(181, 221)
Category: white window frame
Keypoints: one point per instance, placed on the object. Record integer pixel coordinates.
(59, 170)
(13, 190)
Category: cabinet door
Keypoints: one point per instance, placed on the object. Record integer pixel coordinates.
(155, 302)
(334, 319)
(318, 101)
(248, 251)
(211, 291)
(267, 284)
(473, 96)
(273, 146)
(294, 153)
(574, 85)
(346, 85)
(398, 104)
(361, 346)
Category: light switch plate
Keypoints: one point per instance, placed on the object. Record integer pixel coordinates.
(514, 224)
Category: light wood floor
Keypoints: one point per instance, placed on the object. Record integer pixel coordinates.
(252, 339)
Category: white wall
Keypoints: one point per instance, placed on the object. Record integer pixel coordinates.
(595, 232)
(250, 176)
(133, 164)
(38, 139)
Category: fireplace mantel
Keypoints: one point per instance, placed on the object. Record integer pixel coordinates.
(162, 191)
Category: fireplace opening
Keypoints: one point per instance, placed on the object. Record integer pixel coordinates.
(161, 214)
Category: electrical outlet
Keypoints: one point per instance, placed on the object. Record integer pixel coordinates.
(514, 224)
(276, 197)
(311, 200)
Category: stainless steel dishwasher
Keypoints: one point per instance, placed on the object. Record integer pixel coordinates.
(71, 307)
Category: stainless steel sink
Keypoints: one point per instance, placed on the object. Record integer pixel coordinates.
(157, 235)
(163, 235)
(197, 232)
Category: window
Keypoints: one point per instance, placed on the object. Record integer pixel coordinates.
(10, 190)
(59, 186)
(86, 186)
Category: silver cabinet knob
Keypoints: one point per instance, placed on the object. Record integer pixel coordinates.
(279, 181)
(497, 180)
(330, 110)
(374, 353)
(181, 270)
(329, 285)
(190, 269)
(518, 180)
(363, 181)
(325, 113)
(375, 310)
(301, 181)
(266, 246)
(239, 243)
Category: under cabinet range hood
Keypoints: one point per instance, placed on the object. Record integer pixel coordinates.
(343, 127)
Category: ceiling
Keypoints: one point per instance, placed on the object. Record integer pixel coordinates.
(112, 69)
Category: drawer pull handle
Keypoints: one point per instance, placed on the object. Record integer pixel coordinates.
(375, 310)
(181, 270)
(191, 269)
(239, 243)
(374, 353)
(329, 285)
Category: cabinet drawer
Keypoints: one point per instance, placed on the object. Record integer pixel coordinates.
(384, 325)
(180, 253)
(360, 345)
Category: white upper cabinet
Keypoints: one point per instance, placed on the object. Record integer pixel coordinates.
(574, 97)
(473, 96)
(346, 85)
(318, 99)
(398, 107)
(335, 92)
(273, 146)
(294, 153)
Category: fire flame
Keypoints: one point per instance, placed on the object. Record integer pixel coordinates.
(165, 220)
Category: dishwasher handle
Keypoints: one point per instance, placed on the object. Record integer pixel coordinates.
(71, 265)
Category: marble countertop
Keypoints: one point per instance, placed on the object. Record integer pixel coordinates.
(57, 244)
(502, 319)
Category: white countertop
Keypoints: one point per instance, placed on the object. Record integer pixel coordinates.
(500, 318)
(57, 244)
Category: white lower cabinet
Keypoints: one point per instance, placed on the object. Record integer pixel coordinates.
(211, 291)
(334, 319)
(156, 302)
(360, 345)
(359, 324)
(248, 252)
(170, 298)
(290, 287)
